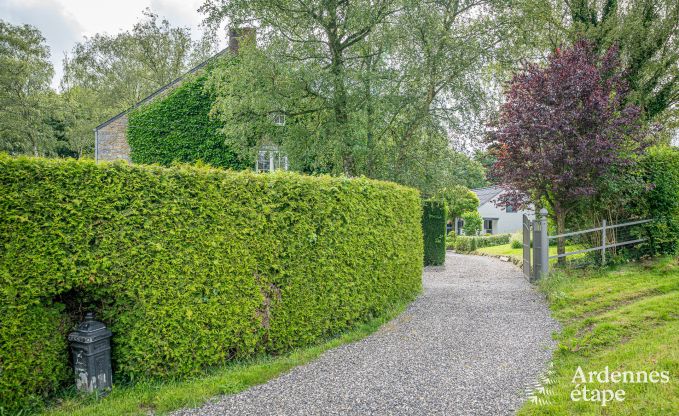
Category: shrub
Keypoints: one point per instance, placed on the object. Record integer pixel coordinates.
(458, 199)
(434, 232)
(178, 128)
(661, 170)
(516, 240)
(450, 240)
(472, 223)
(464, 243)
(190, 266)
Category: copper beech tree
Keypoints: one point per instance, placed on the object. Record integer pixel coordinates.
(563, 129)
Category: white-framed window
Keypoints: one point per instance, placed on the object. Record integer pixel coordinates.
(510, 209)
(460, 225)
(271, 158)
(487, 226)
(278, 119)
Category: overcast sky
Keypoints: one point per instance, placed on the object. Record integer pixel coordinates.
(65, 22)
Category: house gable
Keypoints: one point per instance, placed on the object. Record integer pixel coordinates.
(110, 137)
(487, 194)
(496, 219)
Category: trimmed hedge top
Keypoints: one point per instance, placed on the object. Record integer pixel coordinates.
(190, 266)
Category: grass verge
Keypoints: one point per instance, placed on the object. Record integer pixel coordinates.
(625, 318)
(161, 397)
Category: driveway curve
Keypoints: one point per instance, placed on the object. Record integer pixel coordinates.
(470, 344)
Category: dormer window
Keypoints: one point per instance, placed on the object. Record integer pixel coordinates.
(270, 158)
(278, 119)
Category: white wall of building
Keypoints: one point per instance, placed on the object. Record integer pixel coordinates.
(503, 222)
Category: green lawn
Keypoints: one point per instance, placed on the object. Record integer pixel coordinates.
(503, 250)
(625, 318)
(517, 253)
(161, 397)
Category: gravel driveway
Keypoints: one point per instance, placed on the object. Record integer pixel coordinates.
(469, 345)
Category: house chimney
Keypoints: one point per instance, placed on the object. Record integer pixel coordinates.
(237, 35)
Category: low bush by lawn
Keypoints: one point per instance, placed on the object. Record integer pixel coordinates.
(624, 318)
(465, 244)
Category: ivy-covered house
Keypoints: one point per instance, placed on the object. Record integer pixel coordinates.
(173, 124)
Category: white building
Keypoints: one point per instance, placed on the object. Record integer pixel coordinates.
(496, 220)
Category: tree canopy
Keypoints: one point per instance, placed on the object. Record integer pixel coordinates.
(375, 89)
(25, 74)
(564, 129)
(126, 67)
(459, 200)
(645, 31)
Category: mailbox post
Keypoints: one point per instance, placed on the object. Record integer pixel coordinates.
(91, 348)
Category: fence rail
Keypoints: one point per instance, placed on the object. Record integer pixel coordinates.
(540, 258)
(604, 244)
(591, 230)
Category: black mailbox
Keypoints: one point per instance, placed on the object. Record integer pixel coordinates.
(91, 348)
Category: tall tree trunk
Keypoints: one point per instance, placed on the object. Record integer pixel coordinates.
(342, 120)
(340, 96)
(369, 116)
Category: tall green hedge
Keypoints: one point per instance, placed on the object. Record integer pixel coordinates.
(661, 170)
(178, 128)
(189, 266)
(434, 232)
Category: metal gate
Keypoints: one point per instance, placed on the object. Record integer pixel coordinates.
(537, 266)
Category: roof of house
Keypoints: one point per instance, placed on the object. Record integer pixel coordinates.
(163, 88)
(487, 193)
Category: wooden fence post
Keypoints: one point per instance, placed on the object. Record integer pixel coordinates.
(603, 242)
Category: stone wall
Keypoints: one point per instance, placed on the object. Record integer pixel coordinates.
(112, 141)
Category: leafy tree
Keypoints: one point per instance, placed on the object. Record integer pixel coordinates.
(254, 85)
(125, 68)
(473, 223)
(564, 129)
(458, 200)
(25, 74)
(76, 112)
(324, 39)
(367, 88)
(644, 30)
(487, 159)
(249, 88)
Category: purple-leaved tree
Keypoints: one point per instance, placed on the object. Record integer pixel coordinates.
(563, 129)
